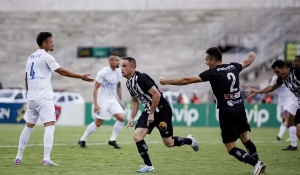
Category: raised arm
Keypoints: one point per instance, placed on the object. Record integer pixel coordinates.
(248, 61)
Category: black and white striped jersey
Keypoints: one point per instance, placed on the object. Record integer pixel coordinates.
(292, 81)
(139, 86)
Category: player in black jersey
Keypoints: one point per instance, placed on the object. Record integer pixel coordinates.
(157, 113)
(290, 76)
(224, 80)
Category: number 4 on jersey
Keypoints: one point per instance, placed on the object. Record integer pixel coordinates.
(230, 76)
(32, 73)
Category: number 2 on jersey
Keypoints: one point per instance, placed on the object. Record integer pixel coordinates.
(32, 73)
(230, 76)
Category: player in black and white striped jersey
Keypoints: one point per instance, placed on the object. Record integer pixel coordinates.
(290, 77)
(157, 113)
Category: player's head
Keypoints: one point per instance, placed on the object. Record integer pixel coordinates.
(114, 61)
(281, 69)
(128, 67)
(213, 57)
(45, 41)
(296, 61)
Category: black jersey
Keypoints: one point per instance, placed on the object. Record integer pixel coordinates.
(292, 81)
(225, 84)
(139, 86)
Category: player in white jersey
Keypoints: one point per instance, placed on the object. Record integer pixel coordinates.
(40, 104)
(288, 104)
(108, 82)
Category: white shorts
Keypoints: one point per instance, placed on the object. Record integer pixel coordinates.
(290, 105)
(108, 108)
(43, 109)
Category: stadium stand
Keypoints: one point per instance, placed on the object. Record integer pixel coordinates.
(165, 43)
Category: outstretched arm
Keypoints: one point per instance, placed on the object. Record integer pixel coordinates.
(67, 73)
(252, 92)
(181, 81)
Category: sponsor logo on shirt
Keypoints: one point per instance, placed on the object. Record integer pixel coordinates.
(232, 96)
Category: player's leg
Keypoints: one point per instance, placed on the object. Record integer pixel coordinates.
(163, 122)
(242, 128)
(297, 123)
(31, 117)
(293, 134)
(46, 112)
(141, 130)
(118, 113)
(283, 126)
(99, 119)
(229, 136)
(90, 130)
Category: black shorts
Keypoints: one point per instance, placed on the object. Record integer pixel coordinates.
(297, 117)
(233, 122)
(162, 121)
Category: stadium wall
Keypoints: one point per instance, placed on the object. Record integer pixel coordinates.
(202, 115)
(91, 5)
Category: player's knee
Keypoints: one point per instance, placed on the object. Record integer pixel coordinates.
(98, 122)
(230, 146)
(137, 137)
(122, 118)
(169, 144)
(30, 125)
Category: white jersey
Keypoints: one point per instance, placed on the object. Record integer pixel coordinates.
(109, 80)
(283, 92)
(39, 68)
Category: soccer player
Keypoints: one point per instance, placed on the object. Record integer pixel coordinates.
(40, 104)
(108, 82)
(157, 113)
(224, 80)
(291, 78)
(287, 103)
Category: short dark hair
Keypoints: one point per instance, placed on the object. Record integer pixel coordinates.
(42, 36)
(114, 54)
(130, 60)
(279, 63)
(215, 53)
(297, 56)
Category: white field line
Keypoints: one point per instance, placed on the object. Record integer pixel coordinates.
(219, 142)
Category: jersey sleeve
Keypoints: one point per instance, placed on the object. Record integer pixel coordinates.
(206, 75)
(145, 82)
(279, 81)
(238, 66)
(100, 76)
(52, 64)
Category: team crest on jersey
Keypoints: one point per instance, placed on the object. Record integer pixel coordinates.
(163, 126)
(134, 88)
(57, 112)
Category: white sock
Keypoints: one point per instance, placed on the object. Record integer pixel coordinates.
(24, 137)
(281, 130)
(89, 130)
(118, 126)
(48, 141)
(293, 135)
